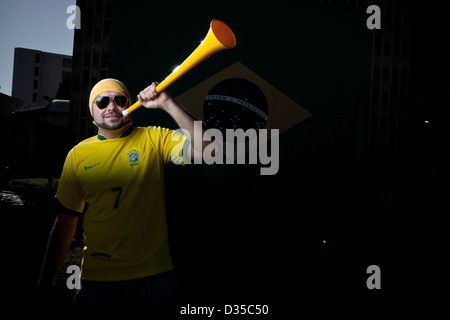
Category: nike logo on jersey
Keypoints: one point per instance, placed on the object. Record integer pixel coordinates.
(90, 167)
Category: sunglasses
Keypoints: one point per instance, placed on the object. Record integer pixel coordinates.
(103, 102)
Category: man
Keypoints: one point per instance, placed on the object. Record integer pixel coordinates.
(119, 175)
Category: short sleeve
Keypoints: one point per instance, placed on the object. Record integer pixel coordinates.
(172, 144)
(69, 191)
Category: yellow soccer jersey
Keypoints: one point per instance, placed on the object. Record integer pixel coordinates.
(121, 180)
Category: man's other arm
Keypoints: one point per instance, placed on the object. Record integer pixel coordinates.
(58, 246)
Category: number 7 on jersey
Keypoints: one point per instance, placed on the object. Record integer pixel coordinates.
(119, 193)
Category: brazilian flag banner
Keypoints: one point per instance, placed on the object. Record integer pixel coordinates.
(300, 71)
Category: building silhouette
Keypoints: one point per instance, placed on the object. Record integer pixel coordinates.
(90, 63)
(38, 74)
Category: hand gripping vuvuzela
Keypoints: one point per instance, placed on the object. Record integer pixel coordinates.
(219, 37)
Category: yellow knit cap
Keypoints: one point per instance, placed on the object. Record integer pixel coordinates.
(108, 85)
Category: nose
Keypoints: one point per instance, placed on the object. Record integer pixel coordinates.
(111, 105)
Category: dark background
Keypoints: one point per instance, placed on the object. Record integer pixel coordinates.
(238, 235)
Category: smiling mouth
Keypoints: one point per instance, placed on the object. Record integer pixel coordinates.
(114, 116)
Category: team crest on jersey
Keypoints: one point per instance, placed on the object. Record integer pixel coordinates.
(133, 157)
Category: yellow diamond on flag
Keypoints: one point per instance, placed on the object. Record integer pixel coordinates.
(236, 97)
